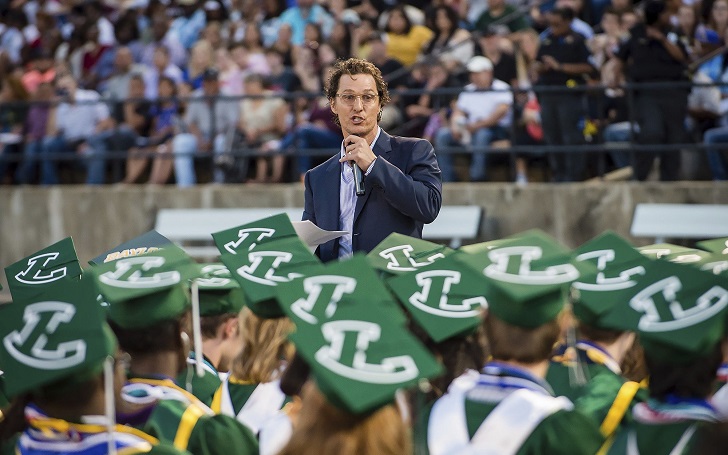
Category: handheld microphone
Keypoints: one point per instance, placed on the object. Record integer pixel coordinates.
(358, 178)
(358, 183)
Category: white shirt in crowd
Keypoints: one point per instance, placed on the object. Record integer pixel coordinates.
(481, 105)
(79, 120)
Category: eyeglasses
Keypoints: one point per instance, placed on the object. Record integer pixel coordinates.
(349, 98)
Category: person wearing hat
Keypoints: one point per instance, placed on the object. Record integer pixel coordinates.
(359, 358)
(400, 177)
(445, 302)
(351, 288)
(220, 300)
(680, 315)
(587, 369)
(149, 312)
(481, 116)
(63, 371)
(511, 408)
(208, 120)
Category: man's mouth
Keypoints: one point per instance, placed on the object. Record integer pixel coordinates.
(356, 120)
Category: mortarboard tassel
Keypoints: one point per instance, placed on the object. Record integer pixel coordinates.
(196, 329)
(109, 405)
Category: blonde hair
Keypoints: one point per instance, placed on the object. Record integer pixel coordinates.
(323, 429)
(264, 346)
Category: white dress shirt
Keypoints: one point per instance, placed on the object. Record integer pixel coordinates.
(347, 200)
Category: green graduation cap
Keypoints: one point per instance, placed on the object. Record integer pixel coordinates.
(334, 289)
(718, 246)
(618, 267)
(665, 250)
(262, 255)
(400, 253)
(56, 335)
(359, 360)
(144, 290)
(528, 275)
(445, 298)
(27, 276)
(145, 243)
(219, 292)
(679, 311)
(715, 263)
(482, 247)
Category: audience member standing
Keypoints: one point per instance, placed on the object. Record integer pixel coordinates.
(562, 62)
(655, 53)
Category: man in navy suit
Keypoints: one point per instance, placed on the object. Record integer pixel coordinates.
(401, 178)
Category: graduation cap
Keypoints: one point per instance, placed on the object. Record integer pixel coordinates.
(57, 336)
(483, 247)
(618, 267)
(708, 261)
(445, 299)
(668, 251)
(528, 275)
(146, 243)
(261, 256)
(718, 246)
(147, 289)
(29, 275)
(361, 358)
(400, 253)
(679, 311)
(219, 293)
(335, 289)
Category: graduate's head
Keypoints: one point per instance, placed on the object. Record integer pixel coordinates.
(56, 344)
(149, 302)
(527, 277)
(360, 354)
(680, 315)
(595, 294)
(692, 380)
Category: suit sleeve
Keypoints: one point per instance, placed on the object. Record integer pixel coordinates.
(416, 193)
(308, 208)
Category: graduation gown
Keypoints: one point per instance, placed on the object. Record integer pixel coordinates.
(178, 417)
(462, 416)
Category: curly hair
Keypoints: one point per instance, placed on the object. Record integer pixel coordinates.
(354, 66)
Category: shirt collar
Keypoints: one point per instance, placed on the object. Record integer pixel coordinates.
(379, 131)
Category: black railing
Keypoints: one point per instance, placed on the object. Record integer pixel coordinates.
(239, 150)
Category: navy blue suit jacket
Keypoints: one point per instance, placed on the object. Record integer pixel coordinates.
(403, 192)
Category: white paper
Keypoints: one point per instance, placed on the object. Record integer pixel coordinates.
(313, 235)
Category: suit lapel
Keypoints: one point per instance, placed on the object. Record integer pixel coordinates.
(331, 186)
(382, 147)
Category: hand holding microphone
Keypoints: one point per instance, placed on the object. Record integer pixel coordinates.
(360, 156)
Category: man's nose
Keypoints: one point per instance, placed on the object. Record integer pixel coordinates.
(358, 103)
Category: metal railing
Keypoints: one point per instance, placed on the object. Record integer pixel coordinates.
(592, 93)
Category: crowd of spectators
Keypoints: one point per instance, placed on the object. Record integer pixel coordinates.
(189, 85)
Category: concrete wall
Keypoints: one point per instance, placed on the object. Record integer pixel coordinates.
(100, 218)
